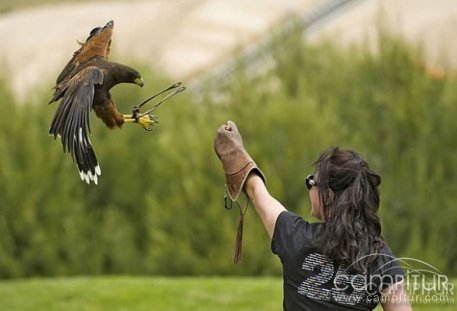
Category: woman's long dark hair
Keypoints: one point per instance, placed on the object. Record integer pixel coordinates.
(348, 190)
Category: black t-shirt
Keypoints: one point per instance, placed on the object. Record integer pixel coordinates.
(312, 281)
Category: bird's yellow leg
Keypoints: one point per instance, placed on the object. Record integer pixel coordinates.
(146, 121)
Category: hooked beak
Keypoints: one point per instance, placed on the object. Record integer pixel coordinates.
(139, 81)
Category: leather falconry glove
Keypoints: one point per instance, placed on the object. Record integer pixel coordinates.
(236, 161)
(237, 164)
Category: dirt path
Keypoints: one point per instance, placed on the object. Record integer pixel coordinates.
(185, 37)
(431, 24)
(181, 37)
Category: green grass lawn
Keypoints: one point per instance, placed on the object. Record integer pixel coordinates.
(150, 293)
(141, 293)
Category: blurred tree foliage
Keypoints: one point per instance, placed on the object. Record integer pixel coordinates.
(158, 208)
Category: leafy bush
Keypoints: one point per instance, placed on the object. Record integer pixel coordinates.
(158, 208)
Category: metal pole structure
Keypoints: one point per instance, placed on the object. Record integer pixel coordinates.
(256, 56)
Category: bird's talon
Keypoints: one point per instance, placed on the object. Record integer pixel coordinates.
(153, 118)
(147, 121)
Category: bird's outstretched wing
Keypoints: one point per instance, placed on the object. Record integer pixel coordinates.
(97, 44)
(71, 121)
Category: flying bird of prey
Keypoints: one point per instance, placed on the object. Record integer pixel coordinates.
(83, 85)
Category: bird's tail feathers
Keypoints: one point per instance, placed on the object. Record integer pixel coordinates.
(86, 162)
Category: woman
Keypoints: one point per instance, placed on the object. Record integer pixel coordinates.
(341, 263)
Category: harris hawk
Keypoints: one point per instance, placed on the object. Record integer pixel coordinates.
(84, 85)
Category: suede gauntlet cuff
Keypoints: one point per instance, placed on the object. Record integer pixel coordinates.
(235, 181)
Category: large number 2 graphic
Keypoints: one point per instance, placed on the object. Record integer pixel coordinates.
(312, 286)
(324, 271)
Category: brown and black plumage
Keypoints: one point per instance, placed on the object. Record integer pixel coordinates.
(84, 85)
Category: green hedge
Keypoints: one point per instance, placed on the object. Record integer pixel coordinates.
(158, 208)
